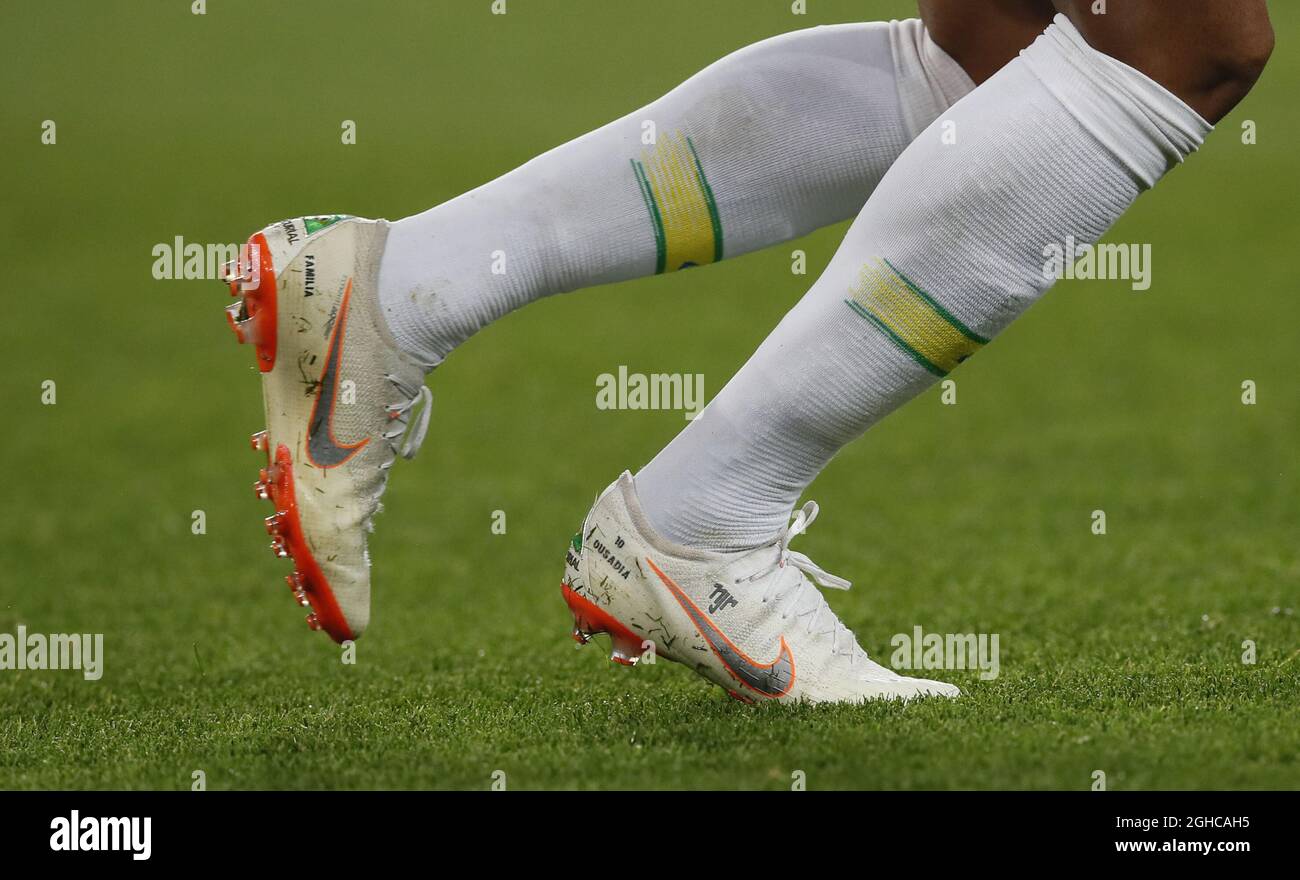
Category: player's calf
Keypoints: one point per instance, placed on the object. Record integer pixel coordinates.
(1209, 53)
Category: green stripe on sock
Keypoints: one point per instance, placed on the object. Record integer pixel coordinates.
(939, 310)
(661, 247)
(897, 340)
(708, 198)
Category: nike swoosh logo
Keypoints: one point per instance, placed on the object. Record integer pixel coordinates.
(767, 679)
(323, 450)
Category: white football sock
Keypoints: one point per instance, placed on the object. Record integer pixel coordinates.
(773, 141)
(946, 253)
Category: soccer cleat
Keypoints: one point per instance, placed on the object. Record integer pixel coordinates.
(751, 622)
(342, 402)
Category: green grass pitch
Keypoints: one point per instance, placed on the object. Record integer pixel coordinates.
(1120, 653)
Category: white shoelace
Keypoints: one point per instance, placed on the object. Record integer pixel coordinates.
(806, 599)
(414, 399)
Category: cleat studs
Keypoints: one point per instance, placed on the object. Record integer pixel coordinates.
(258, 441)
(278, 546)
(243, 325)
(271, 477)
(301, 597)
(252, 314)
(295, 581)
(274, 523)
(627, 647)
(240, 272)
(312, 621)
(622, 659)
(232, 272)
(233, 319)
(262, 489)
(626, 651)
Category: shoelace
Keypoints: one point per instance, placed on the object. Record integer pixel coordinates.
(821, 620)
(414, 399)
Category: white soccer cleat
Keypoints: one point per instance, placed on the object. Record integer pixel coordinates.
(751, 622)
(341, 402)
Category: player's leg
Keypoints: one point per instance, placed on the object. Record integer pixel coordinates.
(347, 314)
(947, 252)
(1207, 52)
(983, 35)
(1040, 153)
(771, 142)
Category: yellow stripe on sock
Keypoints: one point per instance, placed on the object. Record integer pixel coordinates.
(914, 321)
(682, 195)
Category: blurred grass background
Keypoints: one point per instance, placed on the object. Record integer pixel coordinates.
(1119, 653)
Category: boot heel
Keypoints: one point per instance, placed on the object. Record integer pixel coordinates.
(588, 620)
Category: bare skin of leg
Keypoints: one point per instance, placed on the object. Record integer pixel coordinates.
(983, 35)
(1207, 52)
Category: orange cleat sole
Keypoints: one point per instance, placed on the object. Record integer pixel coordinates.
(307, 581)
(588, 620)
(253, 318)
